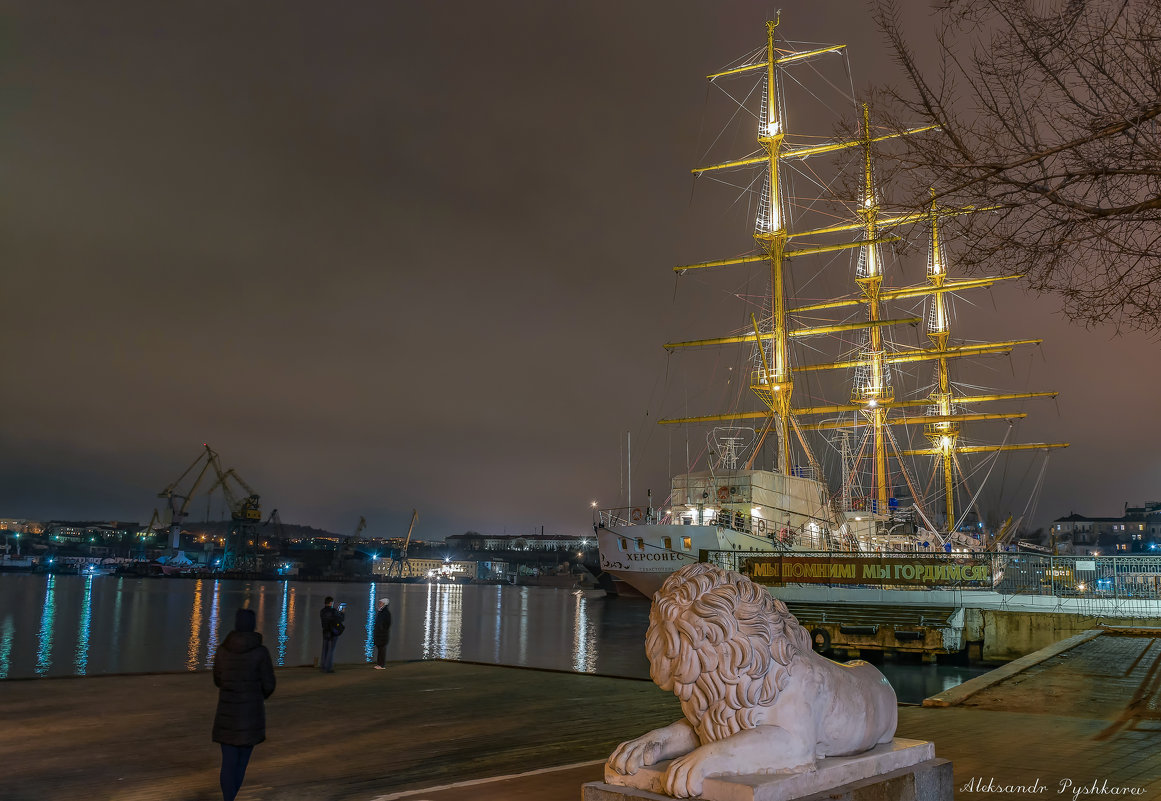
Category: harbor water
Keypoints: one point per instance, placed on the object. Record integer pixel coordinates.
(65, 625)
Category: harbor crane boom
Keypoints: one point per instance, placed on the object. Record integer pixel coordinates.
(401, 563)
(178, 502)
(245, 509)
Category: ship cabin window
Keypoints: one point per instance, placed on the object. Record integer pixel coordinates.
(687, 543)
(640, 544)
(624, 544)
(666, 543)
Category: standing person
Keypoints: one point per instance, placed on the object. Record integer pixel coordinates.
(244, 675)
(381, 633)
(332, 627)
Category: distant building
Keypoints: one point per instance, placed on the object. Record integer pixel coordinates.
(1138, 530)
(427, 568)
(90, 531)
(473, 542)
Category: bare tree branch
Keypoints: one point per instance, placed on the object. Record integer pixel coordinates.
(1050, 114)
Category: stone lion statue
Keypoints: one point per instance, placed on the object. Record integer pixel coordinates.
(756, 697)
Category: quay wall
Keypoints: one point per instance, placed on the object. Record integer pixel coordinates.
(990, 626)
(1009, 635)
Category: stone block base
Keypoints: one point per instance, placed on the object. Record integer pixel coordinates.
(928, 781)
(905, 770)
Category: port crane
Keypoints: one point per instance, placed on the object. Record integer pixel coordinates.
(245, 517)
(401, 564)
(151, 528)
(242, 500)
(178, 501)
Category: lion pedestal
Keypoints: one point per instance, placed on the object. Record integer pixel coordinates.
(765, 717)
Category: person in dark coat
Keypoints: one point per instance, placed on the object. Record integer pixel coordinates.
(332, 627)
(244, 675)
(381, 633)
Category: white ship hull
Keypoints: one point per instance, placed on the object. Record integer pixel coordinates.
(643, 556)
(753, 511)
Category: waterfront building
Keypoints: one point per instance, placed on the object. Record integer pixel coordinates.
(473, 541)
(1137, 530)
(458, 570)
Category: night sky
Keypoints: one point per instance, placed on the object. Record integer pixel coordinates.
(394, 255)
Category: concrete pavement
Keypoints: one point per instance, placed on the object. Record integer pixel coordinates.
(445, 731)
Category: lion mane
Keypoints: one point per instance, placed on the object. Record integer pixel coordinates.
(723, 645)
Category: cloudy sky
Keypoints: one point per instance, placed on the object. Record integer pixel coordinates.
(394, 255)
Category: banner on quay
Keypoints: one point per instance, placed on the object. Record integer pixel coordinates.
(909, 571)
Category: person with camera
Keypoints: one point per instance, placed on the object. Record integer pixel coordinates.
(332, 628)
(244, 676)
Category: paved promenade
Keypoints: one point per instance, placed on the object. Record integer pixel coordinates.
(443, 731)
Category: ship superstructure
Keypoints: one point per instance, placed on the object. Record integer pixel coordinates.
(737, 503)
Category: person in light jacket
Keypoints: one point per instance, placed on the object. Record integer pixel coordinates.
(381, 633)
(244, 676)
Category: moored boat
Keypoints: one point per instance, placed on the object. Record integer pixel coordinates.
(763, 489)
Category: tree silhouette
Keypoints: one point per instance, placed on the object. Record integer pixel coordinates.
(1048, 117)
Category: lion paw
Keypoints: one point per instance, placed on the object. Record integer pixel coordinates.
(634, 754)
(687, 774)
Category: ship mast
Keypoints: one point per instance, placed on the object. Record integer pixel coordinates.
(773, 383)
(872, 395)
(943, 434)
(872, 387)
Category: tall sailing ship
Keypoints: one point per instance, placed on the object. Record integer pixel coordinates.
(761, 487)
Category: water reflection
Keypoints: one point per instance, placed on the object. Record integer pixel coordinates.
(193, 651)
(212, 639)
(497, 617)
(443, 626)
(6, 631)
(113, 640)
(155, 625)
(523, 626)
(584, 641)
(369, 643)
(44, 640)
(282, 622)
(82, 660)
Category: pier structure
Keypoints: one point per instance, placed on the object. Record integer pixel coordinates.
(990, 606)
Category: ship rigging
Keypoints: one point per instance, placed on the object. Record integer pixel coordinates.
(791, 505)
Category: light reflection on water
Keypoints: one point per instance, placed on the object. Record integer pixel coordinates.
(195, 629)
(443, 628)
(44, 641)
(369, 644)
(7, 629)
(135, 625)
(214, 613)
(86, 621)
(280, 657)
(584, 639)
